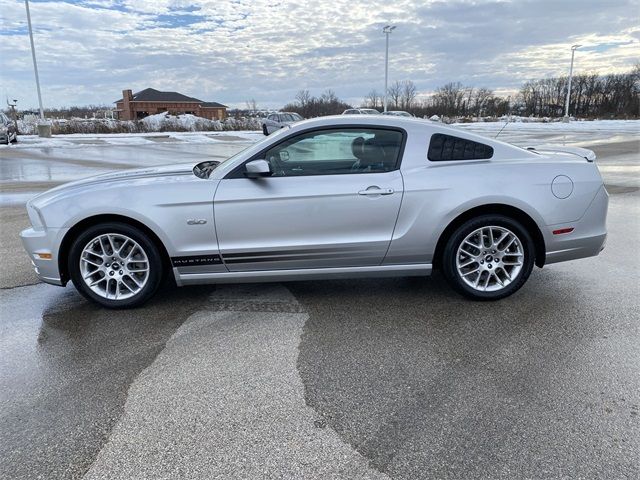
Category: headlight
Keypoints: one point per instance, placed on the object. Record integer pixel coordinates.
(3, 128)
(35, 217)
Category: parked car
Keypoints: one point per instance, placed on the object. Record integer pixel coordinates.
(328, 197)
(397, 113)
(8, 132)
(276, 121)
(361, 111)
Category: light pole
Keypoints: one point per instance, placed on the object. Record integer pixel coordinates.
(386, 30)
(44, 129)
(566, 105)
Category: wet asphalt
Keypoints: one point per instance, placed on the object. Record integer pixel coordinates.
(380, 378)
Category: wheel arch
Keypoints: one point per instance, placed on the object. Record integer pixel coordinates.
(494, 208)
(67, 240)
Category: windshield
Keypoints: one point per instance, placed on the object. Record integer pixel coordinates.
(251, 149)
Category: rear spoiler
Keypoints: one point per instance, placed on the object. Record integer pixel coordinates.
(588, 155)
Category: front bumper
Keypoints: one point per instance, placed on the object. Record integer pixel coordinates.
(40, 244)
(588, 237)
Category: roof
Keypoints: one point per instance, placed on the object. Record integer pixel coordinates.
(153, 95)
(212, 104)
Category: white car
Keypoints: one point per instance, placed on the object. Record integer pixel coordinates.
(332, 197)
(361, 111)
(397, 113)
(276, 121)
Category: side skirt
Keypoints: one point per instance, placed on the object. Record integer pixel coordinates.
(414, 270)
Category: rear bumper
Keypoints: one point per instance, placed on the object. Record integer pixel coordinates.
(588, 237)
(44, 242)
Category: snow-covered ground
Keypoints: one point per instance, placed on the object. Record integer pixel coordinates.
(574, 133)
(79, 140)
(517, 132)
(620, 126)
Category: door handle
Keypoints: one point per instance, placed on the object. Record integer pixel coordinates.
(373, 190)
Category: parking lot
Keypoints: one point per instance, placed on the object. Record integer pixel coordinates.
(379, 378)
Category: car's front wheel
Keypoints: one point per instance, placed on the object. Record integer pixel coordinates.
(265, 131)
(488, 257)
(115, 265)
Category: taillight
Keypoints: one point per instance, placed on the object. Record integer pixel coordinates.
(563, 230)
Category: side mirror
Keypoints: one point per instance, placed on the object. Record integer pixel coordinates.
(257, 169)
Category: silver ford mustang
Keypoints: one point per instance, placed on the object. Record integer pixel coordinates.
(345, 196)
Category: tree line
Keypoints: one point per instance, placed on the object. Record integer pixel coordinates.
(592, 96)
(309, 106)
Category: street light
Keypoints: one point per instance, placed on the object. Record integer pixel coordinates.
(386, 30)
(44, 129)
(566, 105)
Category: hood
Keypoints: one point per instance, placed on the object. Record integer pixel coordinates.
(133, 174)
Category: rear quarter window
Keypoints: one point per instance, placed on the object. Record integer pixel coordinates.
(444, 148)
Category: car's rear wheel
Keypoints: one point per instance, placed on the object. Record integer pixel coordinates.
(488, 257)
(115, 265)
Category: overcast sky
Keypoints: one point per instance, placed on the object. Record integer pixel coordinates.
(232, 51)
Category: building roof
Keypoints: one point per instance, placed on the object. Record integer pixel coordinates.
(212, 104)
(153, 95)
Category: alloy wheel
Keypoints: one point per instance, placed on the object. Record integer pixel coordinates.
(490, 258)
(114, 266)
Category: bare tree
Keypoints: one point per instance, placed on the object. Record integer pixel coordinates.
(480, 100)
(373, 99)
(252, 105)
(303, 97)
(394, 94)
(409, 94)
(448, 98)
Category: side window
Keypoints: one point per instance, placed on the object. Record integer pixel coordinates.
(447, 147)
(337, 151)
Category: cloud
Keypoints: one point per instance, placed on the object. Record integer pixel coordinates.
(231, 51)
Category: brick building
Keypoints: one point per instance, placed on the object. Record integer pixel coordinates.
(134, 106)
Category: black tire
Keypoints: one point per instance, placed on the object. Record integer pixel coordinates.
(154, 257)
(264, 130)
(450, 270)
